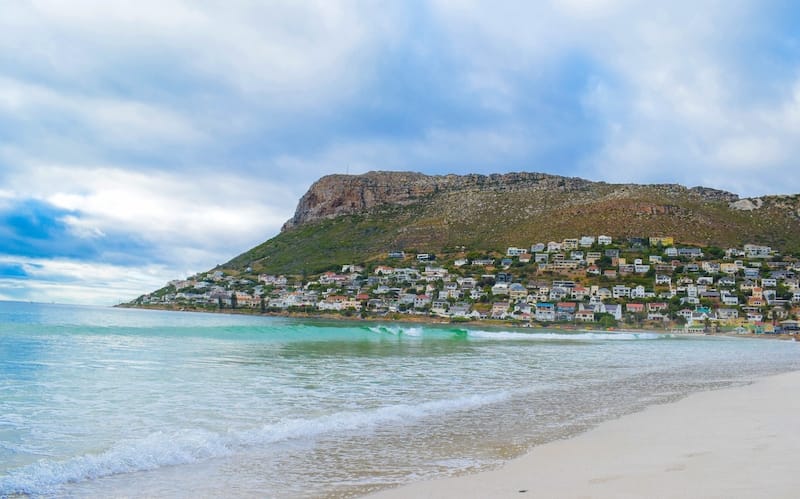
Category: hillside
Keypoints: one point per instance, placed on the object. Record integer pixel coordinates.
(358, 218)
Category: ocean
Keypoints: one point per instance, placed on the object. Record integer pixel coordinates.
(104, 402)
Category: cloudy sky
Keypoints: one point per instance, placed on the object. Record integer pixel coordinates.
(142, 141)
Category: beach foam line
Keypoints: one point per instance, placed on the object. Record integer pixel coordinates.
(164, 449)
(586, 335)
(397, 330)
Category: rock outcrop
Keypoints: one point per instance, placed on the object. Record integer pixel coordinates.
(336, 195)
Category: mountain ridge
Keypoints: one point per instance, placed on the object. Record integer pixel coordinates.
(358, 218)
(338, 194)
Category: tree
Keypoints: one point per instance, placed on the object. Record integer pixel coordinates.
(606, 321)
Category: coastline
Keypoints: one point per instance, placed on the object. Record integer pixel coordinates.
(737, 442)
(438, 321)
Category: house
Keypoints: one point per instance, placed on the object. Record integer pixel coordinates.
(466, 282)
(614, 310)
(565, 311)
(545, 312)
(726, 314)
(333, 302)
(553, 246)
(517, 291)
(439, 307)
(383, 270)
(604, 240)
(569, 244)
(729, 299)
(579, 293)
(584, 316)
(604, 293)
(690, 252)
(538, 247)
(755, 317)
(790, 327)
(593, 270)
(626, 268)
(513, 251)
(586, 241)
(566, 264)
(634, 308)
(656, 316)
(559, 293)
(501, 288)
(499, 310)
(638, 292)
(621, 291)
(728, 268)
(661, 241)
(752, 273)
(663, 280)
(397, 254)
(461, 309)
(541, 257)
(756, 251)
(593, 256)
(476, 294)
(657, 306)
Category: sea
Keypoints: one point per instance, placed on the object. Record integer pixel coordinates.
(107, 402)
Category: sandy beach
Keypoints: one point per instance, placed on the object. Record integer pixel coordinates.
(740, 442)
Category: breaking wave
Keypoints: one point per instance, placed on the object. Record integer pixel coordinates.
(161, 449)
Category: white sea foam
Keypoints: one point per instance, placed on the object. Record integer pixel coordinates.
(397, 330)
(510, 335)
(160, 449)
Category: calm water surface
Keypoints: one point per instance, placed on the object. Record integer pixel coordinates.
(98, 402)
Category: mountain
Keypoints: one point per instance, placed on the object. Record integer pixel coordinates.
(358, 218)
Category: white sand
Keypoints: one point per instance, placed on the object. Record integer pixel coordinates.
(731, 443)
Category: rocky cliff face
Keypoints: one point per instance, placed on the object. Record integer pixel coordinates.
(336, 195)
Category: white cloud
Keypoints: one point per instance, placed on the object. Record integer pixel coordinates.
(68, 281)
(195, 218)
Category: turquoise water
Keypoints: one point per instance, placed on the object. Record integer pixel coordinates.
(98, 402)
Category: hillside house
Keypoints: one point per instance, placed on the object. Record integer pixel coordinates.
(499, 310)
(545, 312)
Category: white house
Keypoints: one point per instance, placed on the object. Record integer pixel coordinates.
(604, 240)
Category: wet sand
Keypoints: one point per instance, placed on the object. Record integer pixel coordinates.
(741, 442)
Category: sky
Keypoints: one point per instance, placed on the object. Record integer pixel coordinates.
(143, 141)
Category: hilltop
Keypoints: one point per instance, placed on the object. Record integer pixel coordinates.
(358, 218)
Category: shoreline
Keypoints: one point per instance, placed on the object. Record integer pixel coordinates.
(430, 320)
(737, 442)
